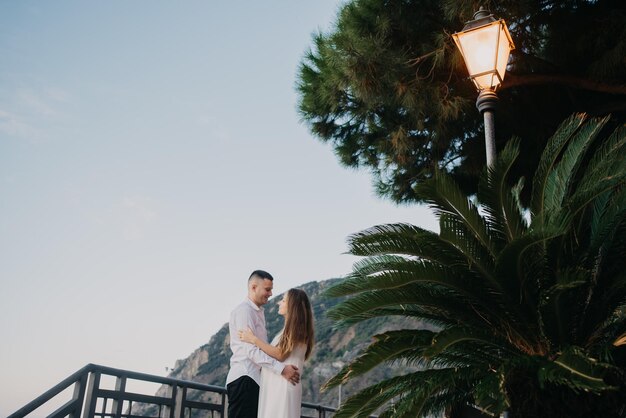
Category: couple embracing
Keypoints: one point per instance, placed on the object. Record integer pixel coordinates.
(264, 379)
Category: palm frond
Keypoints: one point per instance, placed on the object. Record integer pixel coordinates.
(389, 272)
(516, 270)
(599, 224)
(445, 197)
(605, 313)
(447, 338)
(561, 310)
(429, 316)
(375, 264)
(583, 197)
(548, 160)
(561, 178)
(371, 398)
(403, 239)
(471, 353)
(477, 258)
(488, 393)
(435, 302)
(387, 347)
(608, 158)
(411, 393)
(452, 248)
(505, 218)
(609, 210)
(576, 371)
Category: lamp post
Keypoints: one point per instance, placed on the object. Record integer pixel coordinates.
(338, 365)
(485, 44)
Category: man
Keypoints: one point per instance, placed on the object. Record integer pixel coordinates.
(244, 376)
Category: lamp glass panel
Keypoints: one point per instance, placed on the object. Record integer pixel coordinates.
(486, 81)
(504, 50)
(479, 47)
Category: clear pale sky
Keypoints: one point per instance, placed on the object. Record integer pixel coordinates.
(151, 157)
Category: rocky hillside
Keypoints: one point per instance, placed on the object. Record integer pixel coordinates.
(209, 363)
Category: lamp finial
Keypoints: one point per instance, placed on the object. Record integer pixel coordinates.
(481, 13)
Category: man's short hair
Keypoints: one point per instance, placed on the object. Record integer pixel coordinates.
(260, 274)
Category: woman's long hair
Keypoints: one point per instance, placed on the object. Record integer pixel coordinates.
(298, 323)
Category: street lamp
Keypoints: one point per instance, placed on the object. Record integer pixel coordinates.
(485, 44)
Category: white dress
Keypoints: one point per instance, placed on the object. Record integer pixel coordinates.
(277, 397)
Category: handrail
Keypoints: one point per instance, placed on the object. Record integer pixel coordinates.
(321, 409)
(158, 379)
(51, 393)
(172, 405)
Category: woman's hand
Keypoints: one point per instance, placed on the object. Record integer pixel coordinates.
(247, 336)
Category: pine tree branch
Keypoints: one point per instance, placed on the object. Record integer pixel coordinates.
(514, 80)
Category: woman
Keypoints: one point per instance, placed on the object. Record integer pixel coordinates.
(278, 398)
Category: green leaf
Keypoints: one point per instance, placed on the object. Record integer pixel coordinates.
(448, 337)
(387, 347)
(577, 371)
(561, 178)
(498, 200)
(445, 197)
(548, 160)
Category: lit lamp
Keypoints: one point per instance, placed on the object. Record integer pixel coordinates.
(485, 44)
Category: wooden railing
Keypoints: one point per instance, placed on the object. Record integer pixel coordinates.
(182, 399)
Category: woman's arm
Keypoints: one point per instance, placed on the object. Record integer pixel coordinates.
(249, 337)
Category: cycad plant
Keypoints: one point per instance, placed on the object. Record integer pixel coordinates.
(528, 304)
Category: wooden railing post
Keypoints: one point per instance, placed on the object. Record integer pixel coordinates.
(79, 395)
(117, 405)
(166, 411)
(91, 398)
(177, 410)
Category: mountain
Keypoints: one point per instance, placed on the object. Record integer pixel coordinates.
(209, 363)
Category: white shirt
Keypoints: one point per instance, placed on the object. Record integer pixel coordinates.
(247, 359)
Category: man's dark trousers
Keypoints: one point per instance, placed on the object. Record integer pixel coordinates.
(243, 398)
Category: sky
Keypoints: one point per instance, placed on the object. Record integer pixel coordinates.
(151, 157)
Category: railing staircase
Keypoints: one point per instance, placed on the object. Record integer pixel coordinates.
(91, 398)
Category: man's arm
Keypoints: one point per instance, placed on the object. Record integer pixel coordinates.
(248, 336)
(242, 320)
